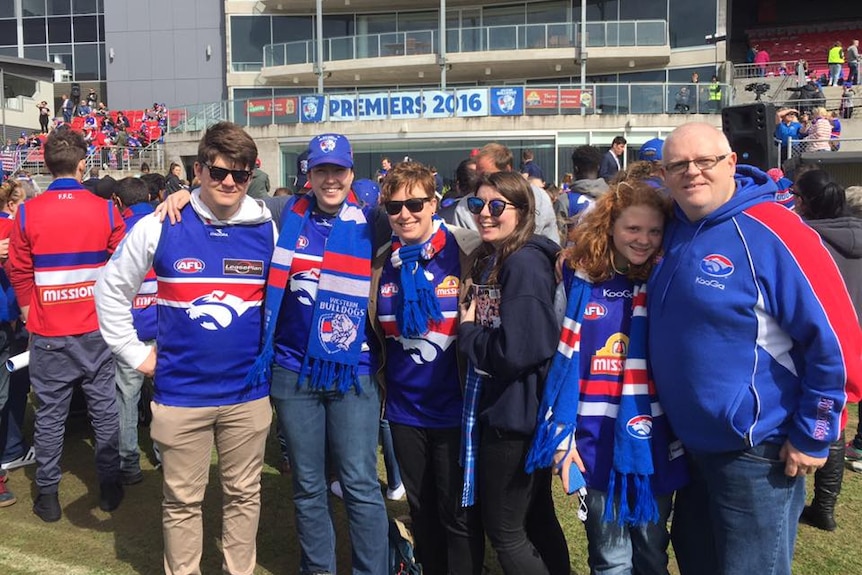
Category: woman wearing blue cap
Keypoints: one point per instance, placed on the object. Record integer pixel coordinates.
(315, 346)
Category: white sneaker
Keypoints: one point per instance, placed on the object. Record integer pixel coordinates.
(28, 458)
(335, 487)
(396, 494)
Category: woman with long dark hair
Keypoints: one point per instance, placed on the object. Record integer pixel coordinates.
(823, 205)
(509, 333)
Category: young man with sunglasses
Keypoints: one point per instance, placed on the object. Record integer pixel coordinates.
(754, 347)
(211, 268)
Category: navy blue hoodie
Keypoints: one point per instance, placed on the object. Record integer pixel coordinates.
(518, 353)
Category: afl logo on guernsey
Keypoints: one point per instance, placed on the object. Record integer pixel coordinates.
(595, 310)
(189, 266)
(388, 289)
(640, 426)
(716, 265)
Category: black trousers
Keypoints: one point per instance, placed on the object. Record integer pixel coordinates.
(517, 508)
(448, 537)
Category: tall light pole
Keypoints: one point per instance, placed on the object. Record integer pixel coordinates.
(3, 101)
(441, 45)
(582, 41)
(319, 59)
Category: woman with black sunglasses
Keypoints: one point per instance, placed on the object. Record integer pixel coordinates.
(509, 332)
(417, 278)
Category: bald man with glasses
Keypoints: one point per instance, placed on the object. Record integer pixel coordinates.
(754, 347)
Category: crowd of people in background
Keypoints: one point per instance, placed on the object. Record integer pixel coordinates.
(502, 327)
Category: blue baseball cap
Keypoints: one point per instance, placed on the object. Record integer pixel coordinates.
(330, 149)
(367, 191)
(651, 150)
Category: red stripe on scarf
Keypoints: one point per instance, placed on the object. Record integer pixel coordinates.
(278, 277)
(301, 205)
(569, 337)
(347, 264)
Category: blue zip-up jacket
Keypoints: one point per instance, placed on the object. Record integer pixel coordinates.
(752, 335)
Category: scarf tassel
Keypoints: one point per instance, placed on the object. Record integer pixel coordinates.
(545, 442)
(326, 375)
(420, 304)
(641, 511)
(261, 370)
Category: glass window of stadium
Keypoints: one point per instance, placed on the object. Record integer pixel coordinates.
(7, 8)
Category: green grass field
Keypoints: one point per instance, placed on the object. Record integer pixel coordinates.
(88, 541)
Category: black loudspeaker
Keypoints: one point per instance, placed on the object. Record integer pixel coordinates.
(76, 92)
(749, 129)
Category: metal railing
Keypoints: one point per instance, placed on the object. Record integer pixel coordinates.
(107, 157)
(464, 40)
(817, 67)
(622, 98)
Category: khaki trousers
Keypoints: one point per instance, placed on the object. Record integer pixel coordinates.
(185, 437)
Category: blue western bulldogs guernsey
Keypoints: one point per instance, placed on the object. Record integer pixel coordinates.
(210, 293)
(144, 309)
(423, 388)
(604, 344)
(297, 307)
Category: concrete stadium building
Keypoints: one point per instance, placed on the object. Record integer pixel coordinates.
(429, 79)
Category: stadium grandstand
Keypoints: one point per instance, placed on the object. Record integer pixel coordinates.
(433, 79)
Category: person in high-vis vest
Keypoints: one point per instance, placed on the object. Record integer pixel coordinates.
(714, 92)
(836, 62)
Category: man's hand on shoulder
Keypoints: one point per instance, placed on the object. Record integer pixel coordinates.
(798, 464)
(172, 206)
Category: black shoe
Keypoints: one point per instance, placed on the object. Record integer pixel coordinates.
(110, 495)
(132, 477)
(47, 507)
(818, 518)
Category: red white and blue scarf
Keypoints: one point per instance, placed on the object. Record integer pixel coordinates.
(558, 413)
(341, 305)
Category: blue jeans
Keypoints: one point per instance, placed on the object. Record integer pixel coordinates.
(615, 550)
(350, 423)
(129, 383)
(738, 515)
(393, 471)
(834, 73)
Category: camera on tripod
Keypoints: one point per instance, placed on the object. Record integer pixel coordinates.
(758, 88)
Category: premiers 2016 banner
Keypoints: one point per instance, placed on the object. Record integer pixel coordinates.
(406, 105)
(474, 102)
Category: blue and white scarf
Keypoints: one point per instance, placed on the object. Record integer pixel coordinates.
(337, 329)
(470, 434)
(558, 412)
(419, 303)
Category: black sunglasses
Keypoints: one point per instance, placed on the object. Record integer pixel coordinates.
(219, 174)
(414, 205)
(496, 207)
